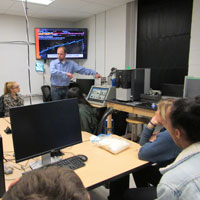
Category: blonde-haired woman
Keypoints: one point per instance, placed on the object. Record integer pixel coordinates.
(156, 147)
(12, 98)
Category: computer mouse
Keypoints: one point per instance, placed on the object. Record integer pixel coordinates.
(7, 130)
(83, 157)
(154, 106)
(8, 169)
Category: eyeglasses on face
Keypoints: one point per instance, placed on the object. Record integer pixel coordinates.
(16, 87)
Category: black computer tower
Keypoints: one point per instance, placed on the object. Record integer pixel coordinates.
(140, 82)
(123, 78)
(2, 178)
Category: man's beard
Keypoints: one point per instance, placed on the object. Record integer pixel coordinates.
(63, 59)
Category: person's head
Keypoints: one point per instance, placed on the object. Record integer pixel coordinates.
(183, 121)
(48, 184)
(162, 107)
(61, 52)
(11, 87)
(75, 92)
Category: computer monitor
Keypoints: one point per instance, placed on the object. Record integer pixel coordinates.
(99, 94)
(85, 85)
(191, 87)
(41, 128)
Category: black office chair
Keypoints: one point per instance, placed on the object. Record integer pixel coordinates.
(2, 112)
(108, 111)
(46, 91)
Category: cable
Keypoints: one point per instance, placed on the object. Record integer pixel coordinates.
(95, 43)
(28, 46)
(17, 42)
(105, 46)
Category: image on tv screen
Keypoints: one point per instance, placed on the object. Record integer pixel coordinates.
(47, 40)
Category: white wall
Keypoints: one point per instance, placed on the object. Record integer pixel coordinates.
(13, 57)
(106, 46)
(90, 24)
(107, 40)
(115, 38)
(100, 43)
(111, 43)
(194, 57)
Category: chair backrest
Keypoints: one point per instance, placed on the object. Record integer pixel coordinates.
(108, 111)
(1, 106)
(2, 178)
(46, 91)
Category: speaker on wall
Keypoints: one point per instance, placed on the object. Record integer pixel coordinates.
(2, 178)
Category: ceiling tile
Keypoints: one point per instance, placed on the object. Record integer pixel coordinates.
(5, 4)
(69, 4)
(93, 8)
(67, 10)
(60, 14)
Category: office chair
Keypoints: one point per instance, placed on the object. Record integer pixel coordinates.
(2, 177)
(46, 91)
(108, 111)
(2, 106)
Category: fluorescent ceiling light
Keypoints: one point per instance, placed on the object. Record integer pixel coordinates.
(43, 2)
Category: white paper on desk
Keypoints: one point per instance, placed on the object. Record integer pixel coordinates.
(111, 144)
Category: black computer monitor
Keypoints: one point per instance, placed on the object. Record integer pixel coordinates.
(85, 85)
(41, 128)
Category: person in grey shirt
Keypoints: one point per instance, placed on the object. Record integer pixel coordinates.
(12, 98)
(62, 71)
(181, 179)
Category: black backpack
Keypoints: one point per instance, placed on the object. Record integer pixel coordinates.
(1, 106)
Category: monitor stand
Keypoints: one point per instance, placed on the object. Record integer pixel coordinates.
(56, 153)
(45, 160)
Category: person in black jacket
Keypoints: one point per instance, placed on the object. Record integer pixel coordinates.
(88, 114)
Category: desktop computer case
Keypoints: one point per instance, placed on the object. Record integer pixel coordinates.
(136, 80)
(2, 178)
(140, 82)
(123, 85)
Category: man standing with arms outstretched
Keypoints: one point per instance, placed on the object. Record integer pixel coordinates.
(62, 71)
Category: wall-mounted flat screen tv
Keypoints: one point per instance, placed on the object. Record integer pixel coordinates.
(47, 40)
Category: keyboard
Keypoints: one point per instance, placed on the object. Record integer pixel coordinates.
(147, 105)
(72, 163)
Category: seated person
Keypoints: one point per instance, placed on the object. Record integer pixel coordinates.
(181, 179)
(156, 148)
(88, 114)
(160, 149)
(11, 97)
(49, 183)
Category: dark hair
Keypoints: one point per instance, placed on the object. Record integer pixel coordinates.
(64, 49)
(185, 114)
(48, 184)
(75, 92)
(197, 98)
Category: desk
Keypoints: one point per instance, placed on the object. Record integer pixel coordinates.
(121, 106)
(101, 166)
(97, 106)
